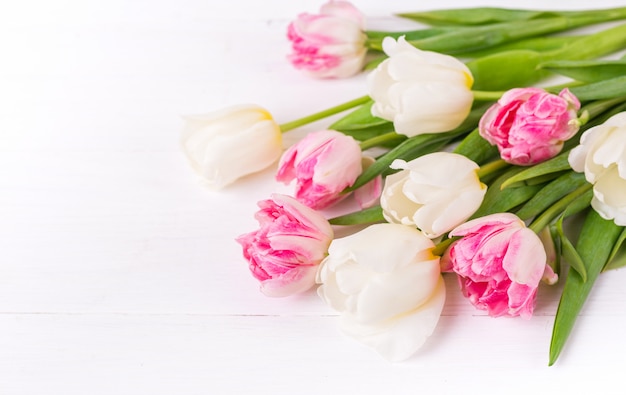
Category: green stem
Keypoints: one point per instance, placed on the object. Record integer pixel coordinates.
(381, 139)
(491, 167)
(285, 127)
(557, 208)
(487, 95)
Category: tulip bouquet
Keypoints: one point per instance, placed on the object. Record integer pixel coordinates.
(460, 162)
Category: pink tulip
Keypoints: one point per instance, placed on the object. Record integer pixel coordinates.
(330, 44)
(529, 125)
(323, 164)
(500, 263)
(285, 251)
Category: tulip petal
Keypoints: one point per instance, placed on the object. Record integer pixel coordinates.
(291, 282)
(399, 338)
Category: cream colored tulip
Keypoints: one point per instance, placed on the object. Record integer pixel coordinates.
(420, 91)
(225, 145)
(601, 155)
(387, 285)
(435, 192)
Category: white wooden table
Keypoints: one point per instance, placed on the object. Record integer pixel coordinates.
(119, 273)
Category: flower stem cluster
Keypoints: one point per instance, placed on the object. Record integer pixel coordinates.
(467, 181)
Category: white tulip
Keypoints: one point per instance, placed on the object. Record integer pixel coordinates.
(225, 145)
(601, 155)
(420, 91)
(435, 192)
(387, 285)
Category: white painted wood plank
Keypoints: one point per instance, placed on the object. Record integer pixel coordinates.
(190, 354)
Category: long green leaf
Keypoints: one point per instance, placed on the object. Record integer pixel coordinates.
(497, 200)
(366, 216)
(360, 118)
(587, 70)
(476, 148)
(607, 89)
(617, 258)
(489, 15)
(557, 164)
(480, 37)
(596, 240)
(520, 68)
(551, 193)
(569, 252)
(538, 44)
(506, 70)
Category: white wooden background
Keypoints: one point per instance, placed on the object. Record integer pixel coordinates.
(119, 273)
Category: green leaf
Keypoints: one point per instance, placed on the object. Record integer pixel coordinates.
(372, 64)
(551, 193)
(597, 238)
(488, 15)
(485, 36)
(557, 164)
(497, 200)
(366, 216)
(519, 68)
(617, 258)
(607, 89)
(409, 34)
(569, 251)
(537, 44)
(581, 203)
(558, 248)
(506, 70)
(587, 70)
(359, 119)
(362, 125)
(476, 148)
(375, 131)
(591, 46)
(375, 38)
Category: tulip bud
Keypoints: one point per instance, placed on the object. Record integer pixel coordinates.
(225, 145)
(323, 164)
(420, 91)
(330, 44)
(385, 282)
(529, 125)
(434, 192)
(284, 253)
(601, 155)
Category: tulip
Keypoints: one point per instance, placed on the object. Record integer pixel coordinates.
(435, 192)
(225, 145)
(284, 253)
(601, 155)
(330, 44)
(529, 125)
(323, 164)
(420, 91)
(500, 263)
(386, 283)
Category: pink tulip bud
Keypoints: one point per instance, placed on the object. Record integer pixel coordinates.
(330, 44)
(285, 251)
(323, 164)
(500, 263)
(529, 125)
